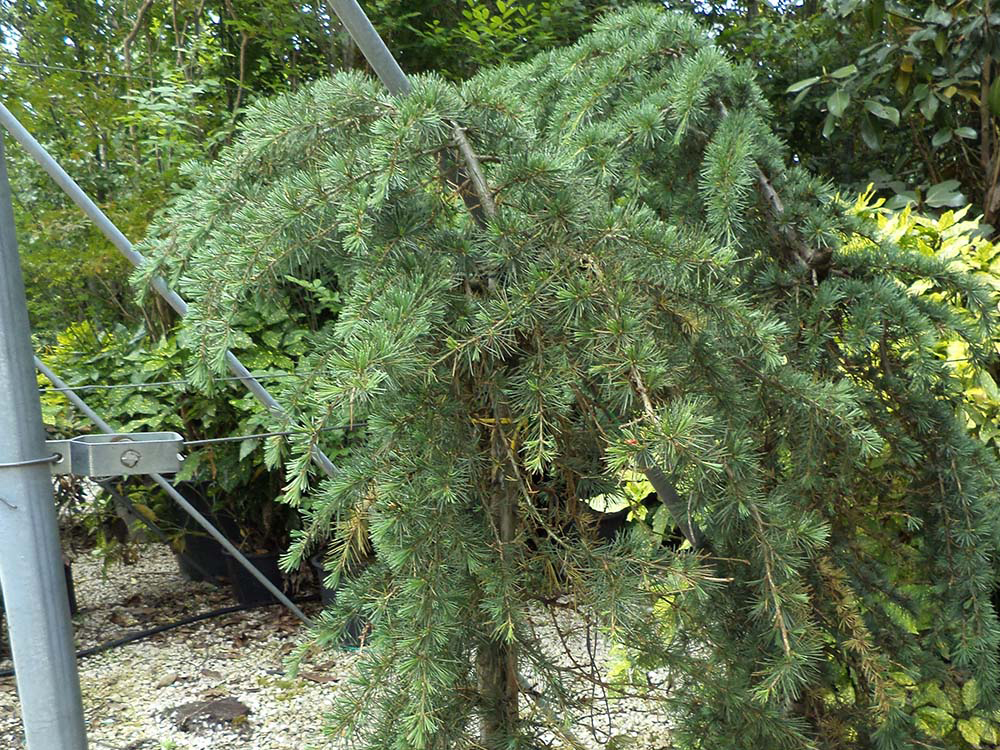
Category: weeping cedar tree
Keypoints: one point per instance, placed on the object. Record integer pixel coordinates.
(593, 263)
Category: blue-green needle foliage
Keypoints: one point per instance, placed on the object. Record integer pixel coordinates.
(656, 289)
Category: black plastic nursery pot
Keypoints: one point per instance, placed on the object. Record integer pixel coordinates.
(247, 590)
(202, 556)
(199, 549)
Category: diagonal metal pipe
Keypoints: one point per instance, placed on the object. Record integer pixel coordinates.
(371, 45)
(104, 427)
(120, 241)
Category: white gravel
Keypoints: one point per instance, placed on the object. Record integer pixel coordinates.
(130, 693)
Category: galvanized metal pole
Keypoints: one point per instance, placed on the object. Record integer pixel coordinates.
(31, 567)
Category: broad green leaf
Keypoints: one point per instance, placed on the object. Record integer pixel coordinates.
(901, 200)
(800, 85)
(989, 385)
(869, 135)
(969, 731)
(929, 106)
(934, 721)
(844, 72)
(248, 446)
(940, 42)
(970, 690)
(965, 132)
(988, 730)
(931, 694)
(239, 340)
(941, 137)
(828, 125)
(882, 111)
(902, 82)
(837, 102)
(607, 503)
(934, 14)
(146, 511)
(945, 194)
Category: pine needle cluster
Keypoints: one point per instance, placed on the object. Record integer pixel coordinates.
(646, 287)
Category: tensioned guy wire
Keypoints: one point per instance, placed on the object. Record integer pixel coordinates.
(32, 462)
(163, 383)
(180, 499)
(284, 433)
(64, 69)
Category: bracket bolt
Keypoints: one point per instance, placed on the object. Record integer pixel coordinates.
(130, 457)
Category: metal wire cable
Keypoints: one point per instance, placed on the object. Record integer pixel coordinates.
(162, 383)
(262, 376)
(32, 461)
(237, 438)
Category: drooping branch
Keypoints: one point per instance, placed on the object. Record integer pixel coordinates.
(474, 171)
(811, 260)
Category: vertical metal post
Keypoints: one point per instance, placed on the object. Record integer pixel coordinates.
(31, 569)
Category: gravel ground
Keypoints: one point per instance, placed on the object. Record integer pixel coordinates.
(152, 694)
(131, 694)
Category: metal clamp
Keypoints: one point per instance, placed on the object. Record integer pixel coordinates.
(115, 455)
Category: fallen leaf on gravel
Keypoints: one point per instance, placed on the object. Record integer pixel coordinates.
(224, 711)
(318, 677)
(211, 674)
(167, 679)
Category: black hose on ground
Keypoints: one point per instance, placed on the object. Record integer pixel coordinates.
(139, 635)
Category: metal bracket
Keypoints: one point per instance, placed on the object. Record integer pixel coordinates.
(115, 455)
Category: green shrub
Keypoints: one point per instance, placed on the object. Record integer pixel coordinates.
(655, 291)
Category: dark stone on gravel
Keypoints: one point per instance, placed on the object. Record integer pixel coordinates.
(144, 745)
(224, 711)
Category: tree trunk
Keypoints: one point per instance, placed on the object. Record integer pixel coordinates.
(497, 675)
(496, 662)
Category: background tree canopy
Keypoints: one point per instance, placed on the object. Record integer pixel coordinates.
(122, 94)
(641, 285)
(903, 95)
